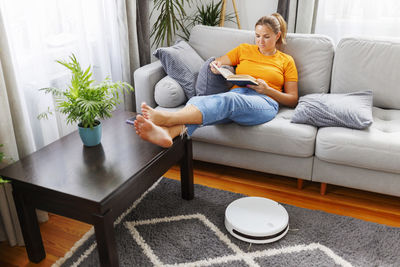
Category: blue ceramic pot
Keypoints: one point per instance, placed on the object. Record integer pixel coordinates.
(90, 136)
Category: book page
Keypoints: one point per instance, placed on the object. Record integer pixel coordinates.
(238, 79)
(224, 72)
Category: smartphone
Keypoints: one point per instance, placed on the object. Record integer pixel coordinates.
(131, 120)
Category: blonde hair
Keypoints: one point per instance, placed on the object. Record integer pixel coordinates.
(277, 24)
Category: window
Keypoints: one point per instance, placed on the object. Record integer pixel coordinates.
(368, 18)
(42, 31)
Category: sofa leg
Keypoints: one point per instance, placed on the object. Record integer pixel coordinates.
(323, 188)
(300, 183)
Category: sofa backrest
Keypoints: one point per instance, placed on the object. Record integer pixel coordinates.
(216, 41)
(312, 53)
(368, 64)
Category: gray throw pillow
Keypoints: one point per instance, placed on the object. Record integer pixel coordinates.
(209, 83)
(182, 63)
(352, 110)
(168, 93)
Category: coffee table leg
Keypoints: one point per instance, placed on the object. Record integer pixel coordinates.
(187, 186)
(30, 227)
(105, 237)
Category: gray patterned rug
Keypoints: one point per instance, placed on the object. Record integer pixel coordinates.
(161, 229)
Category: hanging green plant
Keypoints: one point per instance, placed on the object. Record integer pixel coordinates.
(206, 14)
(169, 21)
(209, 14)
(173, 18)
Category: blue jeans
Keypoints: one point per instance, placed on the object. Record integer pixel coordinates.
(243, 106)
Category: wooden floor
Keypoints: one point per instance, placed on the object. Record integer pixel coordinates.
(60, 233)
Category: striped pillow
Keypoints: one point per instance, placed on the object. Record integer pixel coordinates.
(352, 110)
(182, 63)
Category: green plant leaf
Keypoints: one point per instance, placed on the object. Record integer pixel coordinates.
(53, 91)
(168, 21)
(2, 181)
(206, 14)
(45, 115)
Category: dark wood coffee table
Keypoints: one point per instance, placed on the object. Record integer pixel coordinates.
(92, 184)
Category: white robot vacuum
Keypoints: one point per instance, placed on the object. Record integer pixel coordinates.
(256, 220)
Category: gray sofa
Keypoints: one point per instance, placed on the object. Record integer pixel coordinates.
(364, 159)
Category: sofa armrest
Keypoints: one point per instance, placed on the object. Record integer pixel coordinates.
(145, 79)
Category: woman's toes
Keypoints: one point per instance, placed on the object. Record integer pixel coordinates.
(152, 133)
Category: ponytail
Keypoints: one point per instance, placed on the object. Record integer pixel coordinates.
(277, 24)
(283, 28)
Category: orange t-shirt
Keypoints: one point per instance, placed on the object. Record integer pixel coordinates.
(275, 70)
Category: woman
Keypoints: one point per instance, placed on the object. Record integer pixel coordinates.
(253, 105)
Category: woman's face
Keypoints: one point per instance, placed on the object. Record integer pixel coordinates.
(266, 39)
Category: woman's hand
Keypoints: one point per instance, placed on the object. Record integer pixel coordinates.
(214, 70)
(288, 97)
(224, 60)
(261, 88)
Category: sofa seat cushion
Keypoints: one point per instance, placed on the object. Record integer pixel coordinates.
(374, 148)
(278, 136)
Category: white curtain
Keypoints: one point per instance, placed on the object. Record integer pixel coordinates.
(369, 18)
(33, 34)
(301, 15)
(42, 31)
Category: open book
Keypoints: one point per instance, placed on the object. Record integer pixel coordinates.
(237, 79)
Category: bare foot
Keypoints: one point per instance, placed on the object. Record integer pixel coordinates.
(158, 117)
(152, 133)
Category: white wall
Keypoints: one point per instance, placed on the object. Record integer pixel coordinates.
(249, 11)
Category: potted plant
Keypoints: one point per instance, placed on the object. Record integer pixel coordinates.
(84, 102)
(207, 14)
(172, 12)
(173, 17)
